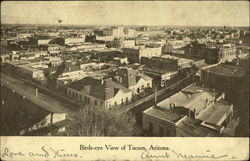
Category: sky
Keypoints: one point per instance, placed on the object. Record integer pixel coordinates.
(189, 13)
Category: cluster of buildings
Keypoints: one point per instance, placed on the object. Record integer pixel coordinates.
(113, 66)
(111, 91)
(194, 111)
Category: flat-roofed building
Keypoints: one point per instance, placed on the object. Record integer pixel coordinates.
(135, 54)
(212, 52)
(157, 121)
(194, 111)
(221, 54)
(119, 43)
(114, 31)
(160, 63)
(161, 78)
(174, 47)
(30, 72)
(74, 40)
(129, 32)
(43, 41)
(223, 77)
(90, 47)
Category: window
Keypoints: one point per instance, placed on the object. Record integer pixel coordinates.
(168, 132)
(150, 128)
(87, 100)
(115, 103)
(122, 101)
(126, 99)
(161, 131)
(63, 129)
(95, 102)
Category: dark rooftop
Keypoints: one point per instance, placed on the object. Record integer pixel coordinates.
(226, 70)
(103, 90)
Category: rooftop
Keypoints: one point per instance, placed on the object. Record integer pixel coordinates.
(226, 70)
(214, 113)
(192, 97)
(101, 89)
(162, 114)
(29, 68)
(128, 77)
(194, 128)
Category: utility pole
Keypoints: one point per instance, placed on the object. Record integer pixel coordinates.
(155, 95)
(95, 123)
(36, 92)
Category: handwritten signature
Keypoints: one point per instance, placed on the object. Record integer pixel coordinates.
(173, 154)
(147, 155)
(45, 153)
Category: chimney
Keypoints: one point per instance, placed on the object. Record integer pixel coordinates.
(69, 69)
(188, 95)
(213, 96)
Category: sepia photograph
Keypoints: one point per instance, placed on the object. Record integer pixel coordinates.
(125, 69)
(92, 69)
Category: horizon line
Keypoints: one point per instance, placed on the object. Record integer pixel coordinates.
(127, 25)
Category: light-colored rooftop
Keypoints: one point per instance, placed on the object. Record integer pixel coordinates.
(192, 97)
(162, 114)
(29, 68)
(194, 128)
(214, 113)
(196, 101)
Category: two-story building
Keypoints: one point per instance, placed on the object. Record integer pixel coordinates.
(29, 72)
(136, 53)
(103, 93)
(74, 40)
(133, 80)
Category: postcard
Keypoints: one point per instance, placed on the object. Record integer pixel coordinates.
(125, 80)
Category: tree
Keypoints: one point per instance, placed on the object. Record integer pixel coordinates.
(59, 70)
(90, 121)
